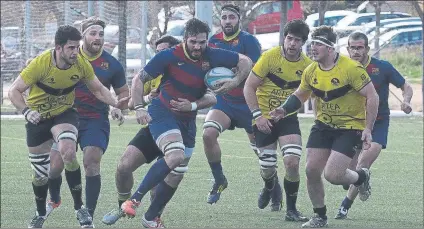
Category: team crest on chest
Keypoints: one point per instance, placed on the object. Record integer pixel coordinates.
(375, 70)
(75, 77)
(206, 65)
(235, 42)
(104, 65)
(299, 73)
(335, 81)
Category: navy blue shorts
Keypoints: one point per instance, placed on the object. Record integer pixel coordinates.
(381, 131)
(239, 113)
(94, 132)
(163, 121)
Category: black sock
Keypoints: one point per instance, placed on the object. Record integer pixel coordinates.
(291, 189)
(361, 177)
(164, 194)
(322, 212)
(347, 203)
(92, 191)
(217, 173)
(54, 188)
(270, 182)
(40, 193)
(74, 182)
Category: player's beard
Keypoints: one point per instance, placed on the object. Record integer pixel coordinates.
(94, 47)
(191, 52)
(69, 60)
(233, 31)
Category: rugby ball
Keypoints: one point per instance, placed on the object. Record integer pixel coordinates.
(216, 74)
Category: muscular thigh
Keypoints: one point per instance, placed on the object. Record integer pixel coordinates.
(220, 118)
(143, 146)
(66, 122)
(39, 138)
(347, 142)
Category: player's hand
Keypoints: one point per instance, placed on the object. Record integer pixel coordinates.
(263, 124)
(406, 107)
(154, 93)
(366, 138)
(131, 104)
(117, 115)
(122, 102)
(277, 114)
(142, 116)
(225, 85)
(181, 105)
(32, 116)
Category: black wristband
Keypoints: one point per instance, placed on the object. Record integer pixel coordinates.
(138, 106)
(292, 104)
(256, 113)
(25, 110)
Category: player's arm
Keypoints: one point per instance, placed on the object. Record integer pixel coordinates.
(122, 92)
(15, 93)
(249, 90)
(207, 100)
(368, 91)
(244, 66)
(407, 92)
(137, 88)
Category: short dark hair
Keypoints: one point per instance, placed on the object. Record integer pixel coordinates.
(168, 39)
(195, 26)
(298, 28)
(358, 36)
(65, 33)
(92, 21)
(325, 31)
(232, 8)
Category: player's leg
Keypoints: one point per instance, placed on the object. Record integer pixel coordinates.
(217, 121)
(140, 150)
(168, 137)
(165, 191)
(39, 141)
(318, 150)
(290, 142)
(65, 133)
(55, 179)
(93, 140)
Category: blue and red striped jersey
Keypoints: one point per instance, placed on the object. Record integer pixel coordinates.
(184, 77)
(111, 73)
(244, 43)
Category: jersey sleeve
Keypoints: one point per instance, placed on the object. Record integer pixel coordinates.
(358, 77)
(305, 81)
(394, 76)
(88, 70)
(32, 73)
(158, 63)
(119, 79)
(261, 68)
(253, 48)
(223, 58)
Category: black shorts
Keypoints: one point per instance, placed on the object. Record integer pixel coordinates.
(39, 133)
(285, 126)
(143, 140)
(341, 140)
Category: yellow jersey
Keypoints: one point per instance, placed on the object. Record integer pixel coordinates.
(152, 85)
(280, 77)
(338, 102)
(52, 90)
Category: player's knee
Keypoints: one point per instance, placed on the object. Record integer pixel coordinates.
(91, 160)
(174, 153)
(56, 165)
(211, 131)
(40, 164)
(67, 146)
(312, 172)
(267, 159)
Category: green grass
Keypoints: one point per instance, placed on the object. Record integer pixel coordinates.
(397, 183)
(407, 60)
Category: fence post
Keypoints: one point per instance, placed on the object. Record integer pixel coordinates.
(101, 5)
(122, 43)
(27, 30)
(143, 8)
(90, 9)
(67, 12)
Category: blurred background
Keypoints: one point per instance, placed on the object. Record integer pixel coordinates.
(394, 28)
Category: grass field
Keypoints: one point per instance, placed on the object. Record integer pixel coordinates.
(396, 201)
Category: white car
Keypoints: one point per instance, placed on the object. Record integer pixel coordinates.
(331, 18)
(270, 40)
(134, 58)
(400, 37)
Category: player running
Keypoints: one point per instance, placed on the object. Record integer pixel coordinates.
(231, 109)
(52, 78)
(273, 79)
(382, 74)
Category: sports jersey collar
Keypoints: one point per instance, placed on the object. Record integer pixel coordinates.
(368, 61)
(186, 53)
(87, 56)
(232, 36)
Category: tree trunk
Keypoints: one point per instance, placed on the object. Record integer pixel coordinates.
(377, 6)
(283, 20)
(321, 11)
(122, 22)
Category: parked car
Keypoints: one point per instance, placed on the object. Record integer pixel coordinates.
(133, 58)
(355, 22)
(400, 37)
(267, 16)
(112, 36)
(331, 18)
